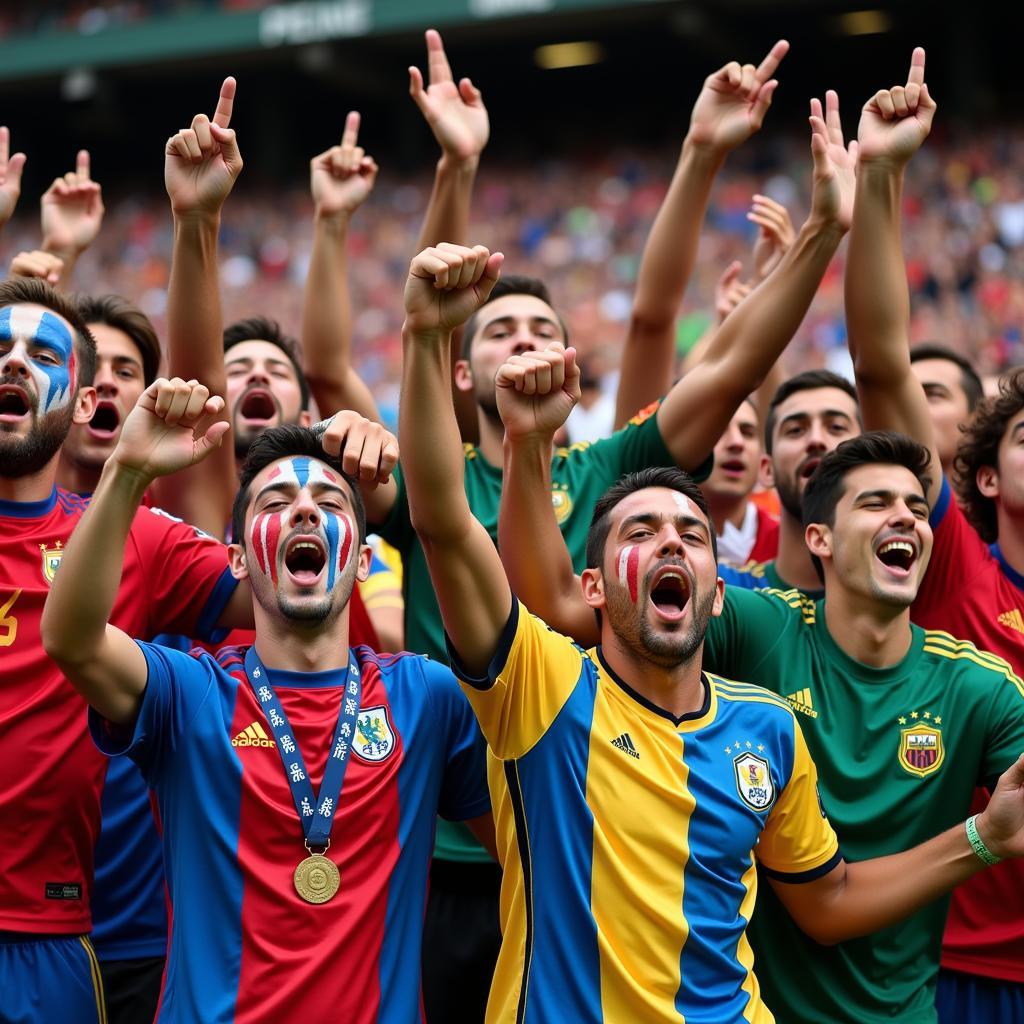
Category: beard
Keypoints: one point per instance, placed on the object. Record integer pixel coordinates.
(314, 612)
(790, 497)
(25, 456)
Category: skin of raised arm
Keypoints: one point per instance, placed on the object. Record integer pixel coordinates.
(730, 108)
(72, 214)
(10, 176)
(857, 899)
(158, 437)
(340, 181)
(894, 123)
(201, 165)
(446, 285)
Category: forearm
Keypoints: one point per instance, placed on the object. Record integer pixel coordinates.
(447, 216)
(532, 549)
(69, 259)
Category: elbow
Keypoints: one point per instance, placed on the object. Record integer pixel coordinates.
(59, 644)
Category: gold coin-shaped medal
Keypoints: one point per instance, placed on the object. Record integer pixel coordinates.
(317, 879)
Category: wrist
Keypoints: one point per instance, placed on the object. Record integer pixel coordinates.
(196, 218)
(451, 163)
(334, 222)
(530, 442)
(986, 847)
(65, 252)
(711, 154)
(884, 166)
(423, 334)
(824, 226)
(130, 480)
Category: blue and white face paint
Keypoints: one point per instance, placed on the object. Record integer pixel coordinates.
(43, 343)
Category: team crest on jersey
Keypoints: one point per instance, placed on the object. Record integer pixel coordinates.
(921, 749)
(754, 781)
(561, 502)
(51, 560)
(375, 739)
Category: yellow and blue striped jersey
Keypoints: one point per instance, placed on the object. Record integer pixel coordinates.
(627, 837)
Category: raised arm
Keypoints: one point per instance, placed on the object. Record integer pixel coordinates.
(893, 125)
(161, 435)
(72, 213)
(10, 176)
(446, 285)
(752, 337)
(857, 899)
(201, 164)
(731, 107)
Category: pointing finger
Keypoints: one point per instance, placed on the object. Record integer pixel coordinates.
(437, 62)
(82, 165)
(916, 76)
(351, 133)
(767, 67)
(225, 103)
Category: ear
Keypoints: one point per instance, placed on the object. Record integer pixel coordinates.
(766, 473)
(593, 587)
(719, 603)
(987, 479)
(363, 565)
(236, 562)
(818, 538)
(305, 418)
(463, 375)
(85, 404)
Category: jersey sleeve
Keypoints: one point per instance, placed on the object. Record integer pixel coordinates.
(177, 685)
(532, 674)
(464, 787)
(185, 579)
(798, 843)
(752, 625)
(382, 588)
(1005, 722)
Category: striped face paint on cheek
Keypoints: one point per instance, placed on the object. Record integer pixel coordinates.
(341, 537)
(265, 539)
(629, 562)
(42, 342)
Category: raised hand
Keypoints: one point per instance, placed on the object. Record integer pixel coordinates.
(202, 162)
(536, 391)
(72, 210)
(1001, 824)
(10, 176)
(164, 434)
(38, 263)
(835, 164)
(734, 101)
(447, 284)
(730, 291)
(368, 452)
(894, 122)
(456, 113)
(341, 178)
(775, 236)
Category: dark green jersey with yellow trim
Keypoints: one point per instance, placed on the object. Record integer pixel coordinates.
(899, 751)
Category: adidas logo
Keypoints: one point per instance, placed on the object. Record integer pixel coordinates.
(1013, 619)
(253, 736)
(625, 744)
(802, 702)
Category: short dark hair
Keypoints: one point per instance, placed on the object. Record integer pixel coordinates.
(809, 380)
(970, 382)
(655, 476)
(282, 443)
(877, 447)
(16, 290)
(510, 284)
(118, 312)
(261, 328)
(980, 447)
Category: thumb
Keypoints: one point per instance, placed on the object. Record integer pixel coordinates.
(469, 92)
(14, 168)
(731, 273)
(228, 142)
(572, 373)
(492, 271)
(763, 102)
(1013, 777)
(210, 440)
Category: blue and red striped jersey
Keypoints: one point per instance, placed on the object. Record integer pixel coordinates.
(244, 947)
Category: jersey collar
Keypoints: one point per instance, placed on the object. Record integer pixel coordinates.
(1008, 570)
(29, 509)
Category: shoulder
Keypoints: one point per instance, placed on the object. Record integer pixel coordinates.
(150, 520)
(952, 657)
(786, 604)
(72, 504)
(732, 691)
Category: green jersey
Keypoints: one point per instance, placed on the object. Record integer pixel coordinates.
(899, 751)
(580, 474)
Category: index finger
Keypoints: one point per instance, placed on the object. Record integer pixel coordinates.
(767, 67)
(437, 62)
(225, 103)
(916, 76)
(351, 133)
(82, 164)
(5, 145)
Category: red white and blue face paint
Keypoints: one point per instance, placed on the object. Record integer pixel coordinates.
(629, 562)
(42, 342)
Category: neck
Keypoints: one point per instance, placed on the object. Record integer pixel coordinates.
(1011, 539)
(301, 647)
(726, 509)
(33, 487)
(492, 438)
(77, 478)
(679, 690)
(793, 562)
(871, 633)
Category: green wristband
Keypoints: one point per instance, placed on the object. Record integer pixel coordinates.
(977, 843)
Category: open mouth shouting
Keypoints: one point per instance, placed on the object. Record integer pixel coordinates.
(15, 405)
(105, 422)
(258, 407)
(670, 593)
(807, 468)
(898, 555)
(733, 467)
(305, 558)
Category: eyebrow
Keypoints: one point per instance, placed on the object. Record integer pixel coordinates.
(653, 519)
(286, 486)
(510, 321)
(807, 415)
(249, 361)
(910, 499)
(130, 360)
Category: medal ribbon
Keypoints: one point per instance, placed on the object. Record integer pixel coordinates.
(316, 813)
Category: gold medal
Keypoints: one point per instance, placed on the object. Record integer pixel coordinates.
(316, 878)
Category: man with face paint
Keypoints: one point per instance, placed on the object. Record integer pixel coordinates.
(632, 787)
(52, 779)
(298, 780)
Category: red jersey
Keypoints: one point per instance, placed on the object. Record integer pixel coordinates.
(51, 775)
(766, 543)
(970, 591)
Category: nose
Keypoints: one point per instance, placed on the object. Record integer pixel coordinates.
(733, 439)
(305, 511)
(105, 383)
(257, 375)
(815, 438)
(16, 361)
(670, 544)
(902, 514)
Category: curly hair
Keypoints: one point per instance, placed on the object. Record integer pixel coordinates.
(980, 447)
